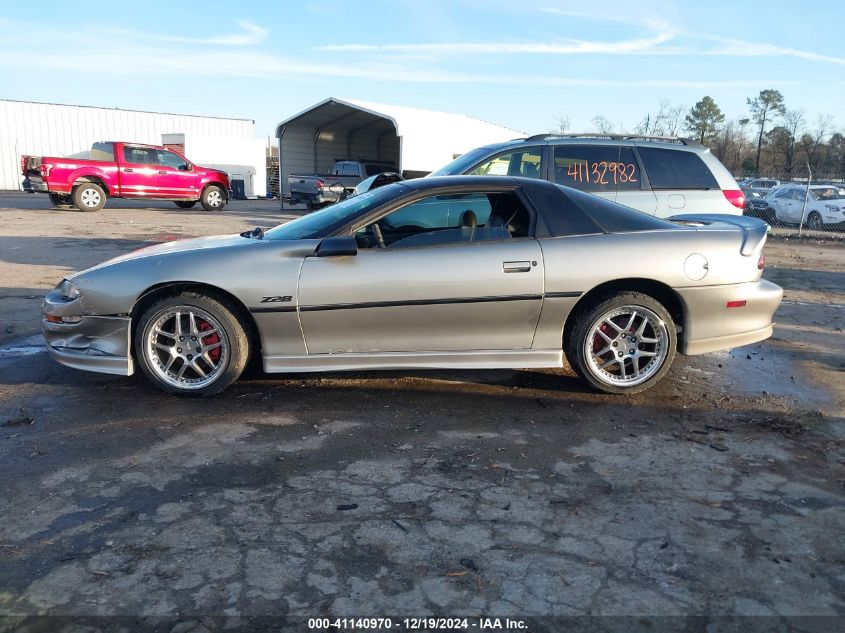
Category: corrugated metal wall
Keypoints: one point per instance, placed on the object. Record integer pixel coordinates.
(48, 129)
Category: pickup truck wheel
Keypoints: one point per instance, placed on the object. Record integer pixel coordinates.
(89, 197)
(185, 204)
(213, 198)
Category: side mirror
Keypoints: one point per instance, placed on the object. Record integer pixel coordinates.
(337, 247)
(185, 167)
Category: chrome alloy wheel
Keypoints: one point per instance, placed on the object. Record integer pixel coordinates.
(626, 346)
(214, 198)
(187, 347)
(90, 198)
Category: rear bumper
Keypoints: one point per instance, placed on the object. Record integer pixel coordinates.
(95, 343)
(37, 184)
(711, 326)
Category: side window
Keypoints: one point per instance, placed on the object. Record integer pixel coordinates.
(784, 193)
(138, 155)
(674, 169)
(596, 167)
(449, 219)
(349, 169)
(525, 162)
(169, 159)
(102, 151)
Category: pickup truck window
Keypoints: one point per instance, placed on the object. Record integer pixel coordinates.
(103, 152)
(372, 170)
(139, 155)
(169, 159)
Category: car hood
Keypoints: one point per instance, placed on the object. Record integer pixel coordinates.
(178, 246)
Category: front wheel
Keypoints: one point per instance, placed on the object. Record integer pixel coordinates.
(89, 197)
(814, 221)
(213, 198)
(186, 204)
(191, 344)
(624, 343)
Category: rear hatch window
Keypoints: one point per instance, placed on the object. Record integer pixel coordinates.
(672, 169)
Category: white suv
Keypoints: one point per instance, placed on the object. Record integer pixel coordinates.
(663, 176)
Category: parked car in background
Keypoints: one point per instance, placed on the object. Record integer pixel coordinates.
(825, 205)
(758, 187)
(662, 176)
(126, 170)
(479, 272)
(379, 180)
(319, 190)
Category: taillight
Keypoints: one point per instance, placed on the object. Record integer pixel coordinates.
(319, 185)
(761, 263)
(735, 197)
(737, 304)
(44, 169)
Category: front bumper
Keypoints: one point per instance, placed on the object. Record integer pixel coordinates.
(710, 326)
(94, 343)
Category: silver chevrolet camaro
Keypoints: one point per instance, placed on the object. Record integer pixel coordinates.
(454, 272)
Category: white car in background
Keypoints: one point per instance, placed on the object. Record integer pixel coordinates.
(825, 205)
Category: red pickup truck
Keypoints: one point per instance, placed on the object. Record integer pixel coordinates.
(126, 170)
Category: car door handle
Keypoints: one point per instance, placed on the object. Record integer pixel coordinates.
(162, 172)
(516, 267)
(128, 171)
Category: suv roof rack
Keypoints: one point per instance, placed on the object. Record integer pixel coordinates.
(680, 140)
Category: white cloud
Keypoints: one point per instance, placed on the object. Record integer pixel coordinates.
(252, 34)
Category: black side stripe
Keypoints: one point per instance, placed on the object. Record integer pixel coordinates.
(414, 302)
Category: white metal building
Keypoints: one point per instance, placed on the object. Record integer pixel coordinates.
(49, 129)
(418, 141)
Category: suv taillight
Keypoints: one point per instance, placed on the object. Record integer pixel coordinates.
(735, 197)
(761, 263)
(319, 185)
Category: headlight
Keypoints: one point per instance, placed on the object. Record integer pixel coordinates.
(832, 207)
(69, 290)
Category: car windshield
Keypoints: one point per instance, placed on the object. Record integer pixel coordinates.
(323, 222)
(463, 162)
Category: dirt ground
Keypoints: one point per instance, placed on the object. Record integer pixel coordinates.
(477, 493)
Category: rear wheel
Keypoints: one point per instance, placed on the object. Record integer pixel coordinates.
(185, 204)
(89, 196)
(213, 198)
(191, 344)
(623, 343)
(814, 221)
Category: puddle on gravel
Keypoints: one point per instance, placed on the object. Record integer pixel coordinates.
(24, 347)
(757, 370)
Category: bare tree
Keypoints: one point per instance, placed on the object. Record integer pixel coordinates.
(603, 125)
(674, 120)
(812, 141)
(562, 124)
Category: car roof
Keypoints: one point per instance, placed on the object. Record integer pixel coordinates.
(597, 138)
(436, 182)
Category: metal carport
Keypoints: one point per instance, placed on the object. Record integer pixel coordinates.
(418, 141)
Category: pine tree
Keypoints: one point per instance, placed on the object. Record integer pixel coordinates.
(704, 119)
(762, 107)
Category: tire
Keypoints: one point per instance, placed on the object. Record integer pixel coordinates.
(213, 198)
(185, 204)
(606, 325)
(814, 221)
(201, 364)
(89, 196)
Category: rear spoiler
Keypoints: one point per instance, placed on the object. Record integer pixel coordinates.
(753, 230)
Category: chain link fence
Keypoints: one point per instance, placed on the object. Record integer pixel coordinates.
(795, 205)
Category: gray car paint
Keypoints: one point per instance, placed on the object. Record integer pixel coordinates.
(459, 306)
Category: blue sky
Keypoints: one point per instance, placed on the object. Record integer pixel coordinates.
(520, 64)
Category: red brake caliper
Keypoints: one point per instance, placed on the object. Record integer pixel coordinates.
(598, 341)
(211, 339)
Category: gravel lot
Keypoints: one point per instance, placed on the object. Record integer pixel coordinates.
(718, 493)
